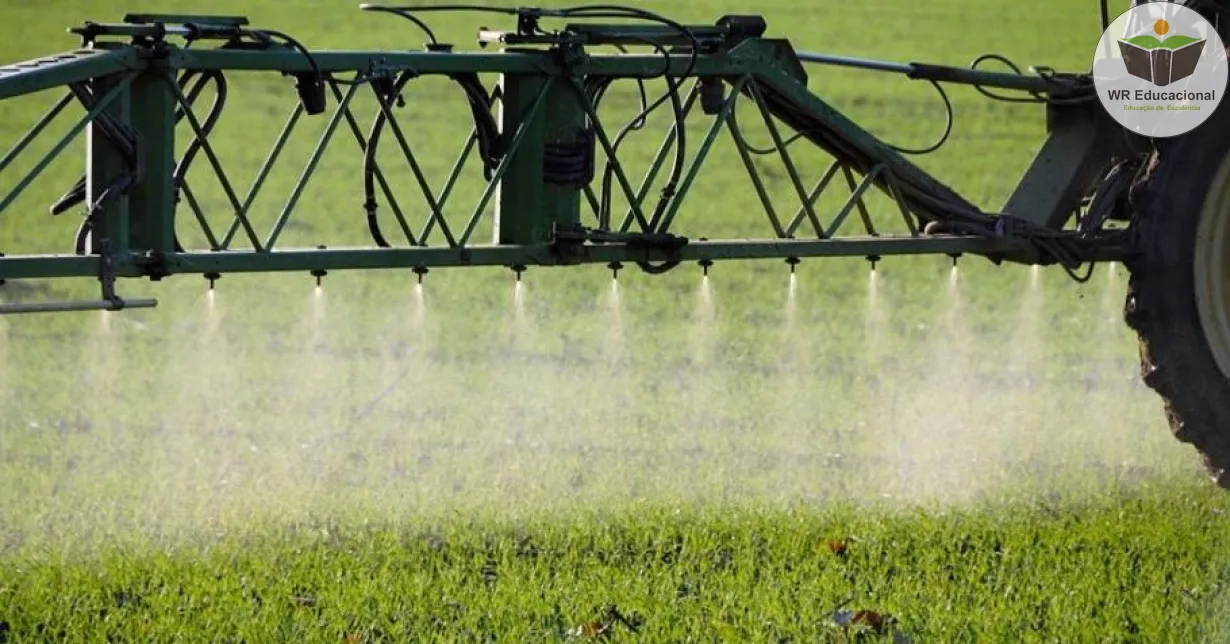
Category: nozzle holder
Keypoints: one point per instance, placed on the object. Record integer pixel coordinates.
(712, 95)
(319, 273)
(311, 89)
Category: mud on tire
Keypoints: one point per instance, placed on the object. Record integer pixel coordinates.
(1167, 203)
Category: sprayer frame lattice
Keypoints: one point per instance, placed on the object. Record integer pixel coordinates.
(541, 154)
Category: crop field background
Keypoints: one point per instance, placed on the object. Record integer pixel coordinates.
(926, 454)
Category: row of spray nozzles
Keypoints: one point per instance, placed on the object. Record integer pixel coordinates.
(615, 267)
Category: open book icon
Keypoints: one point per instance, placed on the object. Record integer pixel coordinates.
(1161, 62)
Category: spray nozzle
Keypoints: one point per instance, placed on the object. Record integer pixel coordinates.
(794, 263)
(873, 259)
(615, 268)
(705, 264)
(212, 278)
(319, 273)
(955, 257)
(518, 269)
(420, 271)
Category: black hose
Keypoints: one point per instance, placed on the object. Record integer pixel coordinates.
(484, 125)
(657, 269)
(637, 123)
(404, 13)
(485, 129)
(207, 126)
(369, 156)
(298, 46)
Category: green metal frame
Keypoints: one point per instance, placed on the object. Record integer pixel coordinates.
(131, 81)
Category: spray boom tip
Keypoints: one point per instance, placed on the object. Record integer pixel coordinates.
(705, 264)
(793, 262)
(615, 268)
(420, 271)
(212, 278)
(873, 259)
(518, 269)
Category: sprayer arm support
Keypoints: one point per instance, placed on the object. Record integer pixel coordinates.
(939, 73)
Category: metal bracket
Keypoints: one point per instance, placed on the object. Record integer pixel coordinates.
(110, 300)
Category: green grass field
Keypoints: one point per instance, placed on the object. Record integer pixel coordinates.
(932, 456)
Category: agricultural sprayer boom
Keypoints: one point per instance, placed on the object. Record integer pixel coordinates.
(545, 177)
(554, 188)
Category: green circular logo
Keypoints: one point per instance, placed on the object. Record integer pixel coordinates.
(1160, 69)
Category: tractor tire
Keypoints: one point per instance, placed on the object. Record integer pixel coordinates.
(1178, 299)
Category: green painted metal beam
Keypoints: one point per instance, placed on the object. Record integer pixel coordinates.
(1082, 142)
(66, 69)
(308, 259)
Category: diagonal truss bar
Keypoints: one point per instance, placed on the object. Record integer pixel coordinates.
(357, 132)
(506, 161)
(35, 130)
(702, 153)
(591, 199)
(860, 204)
(895, 192)
(856, 197)
(122, 86)
(195, 206)
(812, 196)
(782, 150)
(72, 134)
(387, 109)
(609, 150)
(659, 159)
(263, 173)
(208, 149)
(304, 177)
(757, 183)
(454, 174)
